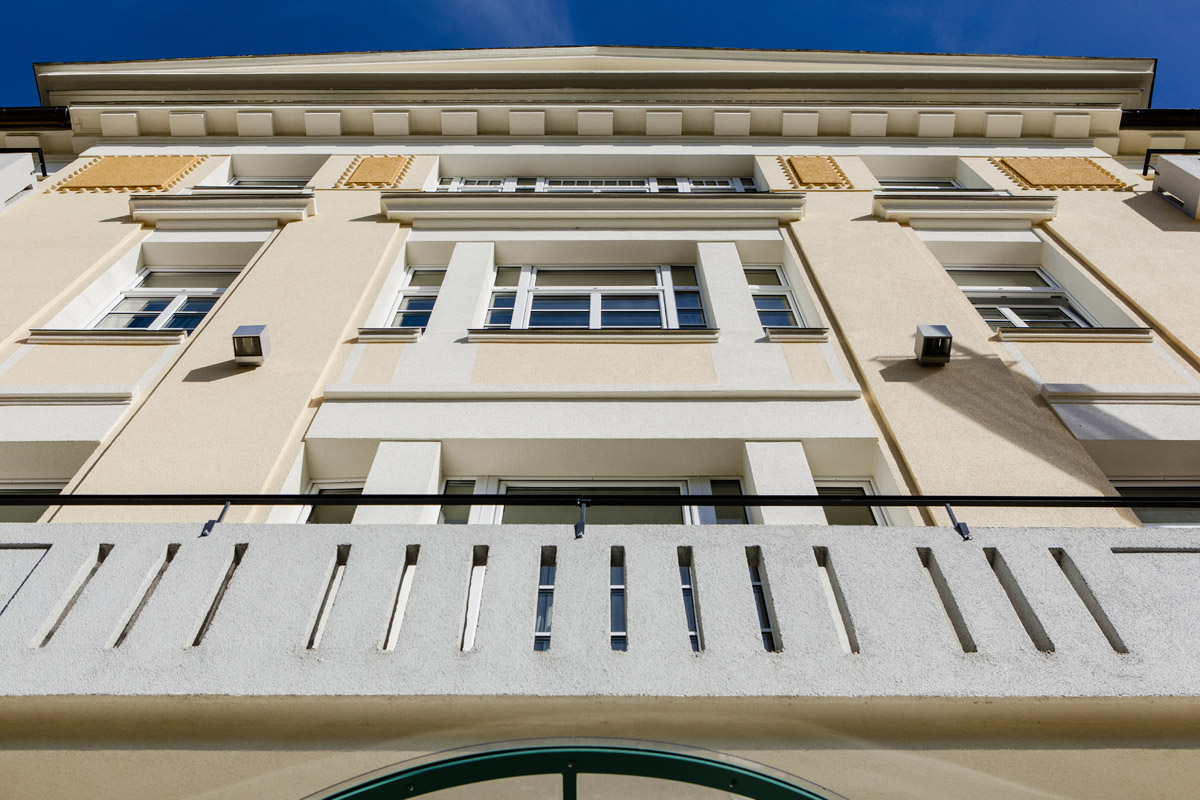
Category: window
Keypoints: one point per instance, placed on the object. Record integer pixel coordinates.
(596, 185)
(758, 586)
(456, 515)
(1161, 516)
(333, 515)
(773, 297)
(596, 297)
(920, 184)
(618, 633)
(417, 298)
(1019, 297)
(568, 513)
(26, 513)
(545, 600)
(849, 515)
(687, 580)
(175, 298)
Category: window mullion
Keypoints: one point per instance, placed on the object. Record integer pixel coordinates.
(166, 313)
(669, 317)
(595, 301)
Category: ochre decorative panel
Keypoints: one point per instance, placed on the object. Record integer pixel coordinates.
(820, 172)
(1058, 173)
(375, 172)
(130, 173)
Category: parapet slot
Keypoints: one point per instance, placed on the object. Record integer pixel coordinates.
(155, 579)
(1080, 585)
(331, 590)
(75, 590)
(1020, 603)
(239, 551)
(762, 600)
(946, 597)
(403, 590)
(836, 599)
(474, 596)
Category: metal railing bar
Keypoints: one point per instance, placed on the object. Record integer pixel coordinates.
(36, 150)
(615, 499)
(1166, 151)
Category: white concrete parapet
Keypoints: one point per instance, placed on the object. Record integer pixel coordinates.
(1179, 176)
(94, 609)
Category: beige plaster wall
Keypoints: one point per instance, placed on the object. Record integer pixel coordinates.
(378, 363)
(287, 748)
(594, 363)
(1145, 249)
(1102, 362)
(213, 426)
(807, 363)
(44, 268)
(82, 365)
(967, 428)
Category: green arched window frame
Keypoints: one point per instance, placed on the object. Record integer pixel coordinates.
(571, 761)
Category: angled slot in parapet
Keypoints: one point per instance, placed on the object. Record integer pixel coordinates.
(239, 551)
(1080, 585)
(155, 578)
(1020, 603)
(838, 610)
(331, 590)
(75, 590)
(763, 603)
(403, 590)
(474, 596)
(949, 605)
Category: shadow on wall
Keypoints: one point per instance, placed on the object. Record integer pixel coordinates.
(972, 386)
(1161, 213)
(216, 372)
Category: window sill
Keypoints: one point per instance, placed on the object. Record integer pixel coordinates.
(613, 335)
(104, 336)
(389, 334)
(797, 334)
(1075, 335)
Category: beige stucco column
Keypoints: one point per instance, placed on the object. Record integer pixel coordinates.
(780, 468)
(403, 468)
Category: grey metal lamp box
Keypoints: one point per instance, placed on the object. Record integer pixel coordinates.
(1179, 176)
(933, 345)
(251, 344)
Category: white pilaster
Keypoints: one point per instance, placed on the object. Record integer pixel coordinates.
(780, 468)
(403, 468)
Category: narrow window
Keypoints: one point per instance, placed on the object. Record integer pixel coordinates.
(618, 636)
(474, 596)
(333, 515)
(545, 599)
(847, 515)
(758, 584)
(728, 515)
(773, 297)
(417, 298)
(457, 515)
(687, 579)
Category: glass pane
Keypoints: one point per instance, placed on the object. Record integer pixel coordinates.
(684, 276)
(161, 279)
(695, 640)
(411, 320)
(728, 515)
(499, 319)
(619, 643)
(546, 576)
(687, 300)
(568, 514)
(24, 513)
(691, 319)
(768, 641)
(508, 276)
(760, 602)
(545, 611)
(771, 302)
(763, 277)
(198, 304)
(457, 515)
(846, 515)
(541, 645)
(616, 577)
(777, 319)
(1164, 516)
(184, 322)
(154, 304)
(630, 311)
(504, 300)
(127, 321)
(998, 277)
(333, 515)
(689, 609)
(617, 610)
(1048, 317)
(596, 277)
(422, 302)
(427, 277)
(560, 312)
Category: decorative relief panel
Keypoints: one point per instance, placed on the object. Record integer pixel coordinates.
(374, 172)
(1058, 173)
(130, 174)
(814, 172)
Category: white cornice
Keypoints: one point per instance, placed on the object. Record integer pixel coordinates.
(225, 209)
(954, 207)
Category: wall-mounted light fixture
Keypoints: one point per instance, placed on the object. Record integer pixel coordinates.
(250, 344)
(933, 345)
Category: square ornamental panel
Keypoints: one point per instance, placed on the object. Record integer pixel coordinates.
(820, 172)
(130, 174)
(1058, 173)
(375, 172)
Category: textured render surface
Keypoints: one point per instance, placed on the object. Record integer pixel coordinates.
(1059, 173)
(1138, 584)
(970, 427)
(378, 362)
(82, 365)
(816, 172)
(375, 172)
(1107, 362)
(594, 363)
(227, 423)
(125, 173)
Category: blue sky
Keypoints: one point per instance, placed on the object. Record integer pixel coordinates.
(134, 29)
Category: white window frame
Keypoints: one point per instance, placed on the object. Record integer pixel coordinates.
(1172, 483)
(526, 291)
(178, 296)
(921, 184)
(784, 290)
(578, 185)
(315, 487)
(1007, 298)
(408, 290)
(878, 513)
(699, 487)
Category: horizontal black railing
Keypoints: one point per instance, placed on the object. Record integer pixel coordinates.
(606, 499)
(1166, 151)
(37, 151)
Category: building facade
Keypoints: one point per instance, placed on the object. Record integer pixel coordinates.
(644, 272)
